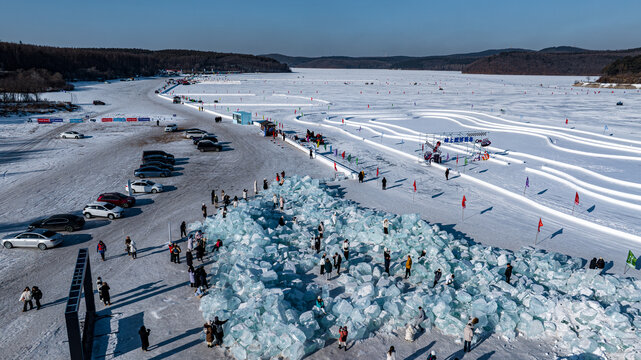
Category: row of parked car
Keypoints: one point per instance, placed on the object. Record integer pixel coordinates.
(155, 163)
(203, 140)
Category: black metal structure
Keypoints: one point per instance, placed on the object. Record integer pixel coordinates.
(80, 345)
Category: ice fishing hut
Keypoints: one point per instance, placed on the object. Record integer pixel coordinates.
(242, 118)
(267, 127)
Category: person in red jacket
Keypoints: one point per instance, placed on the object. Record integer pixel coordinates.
(101, 248)
(342, 339)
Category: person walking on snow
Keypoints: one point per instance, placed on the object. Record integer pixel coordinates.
(437, 276)
(200, 251)
(101, 248)
(209, 335)
(255, 187)
(106, 298)
(322, 264)
(337, 263)
(132, 249)
(127, 242)
(192, 276)
(328, 268)
(37, 296)
(386, 226)
(342, 338)
(320, 305)
(384, 182)
(387, 259)
(213, 196)
(334, 218)
(360, 177)
(204, 209)
(311, 154)
(99, 287)
(183, 229)
(508, 273)
(420, 318)
(468, 335)
(447, 174)
(26, 298)
(265, 186)
(235, 203)
(219, 330)
(408, 266)
(277, 177)
(346, 249)
(281, 202)
(391, 353)
(144, 337)
(245, 194)
(274, 201)
(281, 221)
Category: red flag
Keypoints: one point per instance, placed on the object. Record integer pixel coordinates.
(540, 224)
(463, 202)
(414, 185)
(456, 159)
(343, 155)
(576, 199)
(566, 121)
(335, 169)
(376, 172)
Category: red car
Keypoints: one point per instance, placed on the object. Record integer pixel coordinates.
(118, 199)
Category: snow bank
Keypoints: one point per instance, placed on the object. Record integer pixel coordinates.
(266, 282)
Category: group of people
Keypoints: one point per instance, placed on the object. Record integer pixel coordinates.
(103, 291)
(597, 264)
(28, 296)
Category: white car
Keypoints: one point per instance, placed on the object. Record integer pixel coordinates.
(43, 239)
(103, 209)
(144, 186)
(71, 135)
(171, 128)
(195, 133)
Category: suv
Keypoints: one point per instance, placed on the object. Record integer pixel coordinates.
(58, 222)
(171, 128)
(208, 145)
(209, 137)
(190, 134)
(117, 199)
(107, 210)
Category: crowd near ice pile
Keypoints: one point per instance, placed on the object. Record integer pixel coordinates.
(266, 281)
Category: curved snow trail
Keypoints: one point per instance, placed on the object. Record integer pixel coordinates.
(545, 209)
(609, 138)
(584, 184)
(583, 190)
(304, 97)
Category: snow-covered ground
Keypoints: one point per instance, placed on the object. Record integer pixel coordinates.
(525, 117)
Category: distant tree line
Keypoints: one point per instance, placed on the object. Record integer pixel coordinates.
(623, 71)
(44, 66)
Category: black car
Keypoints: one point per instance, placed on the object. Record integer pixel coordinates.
(211, 138)
(59, 222)
(208, 145)
(157, 152)
(98, 102)
(160, 158)
(159, 164)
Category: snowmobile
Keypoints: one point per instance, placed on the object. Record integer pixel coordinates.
(620, 103)
(484, 142)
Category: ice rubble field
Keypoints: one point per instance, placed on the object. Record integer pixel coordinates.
(266, 282)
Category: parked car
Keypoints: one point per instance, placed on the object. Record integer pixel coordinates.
(160, 158)
(195, 133)
(117, 199)
(157, 152)
(98, 102)
(71, 135)
(207, 145)
(151, 171)
(107, 210)
(159, 164)
(144, 186)
(59, 222)
(177, 100)
(43, 239)
(171, 128)
(209, 137)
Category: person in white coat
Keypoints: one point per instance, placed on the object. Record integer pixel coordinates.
(334, 218)
(245, 194)
(346, 249)
(391, 353)
(468, 335)
(133, 249)
(26, 298)
(450, 279)
(255, 187)
(275, 200)
(281, 202)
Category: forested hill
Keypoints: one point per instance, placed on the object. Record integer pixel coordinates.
(623, 71)
(561, 61)
(101, 64)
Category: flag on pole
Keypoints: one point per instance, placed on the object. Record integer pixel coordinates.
(631, 260)
(527, 181)
(414, 185)
(540, 224)
(466, 160)
(576, 199)
(463, 202)
(335, 169)
(343, 155)
(456, 159)
(376, 172)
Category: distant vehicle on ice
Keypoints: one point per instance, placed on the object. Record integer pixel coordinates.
(71, 135)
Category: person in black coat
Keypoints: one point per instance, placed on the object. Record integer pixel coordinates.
(600, 264)
(387, 258)
(183, 229)
(593, 263)
(281, 221)
(317, 244)
(200, 251)
(202, 277)
(37, 296)
(189, 257)
(437, 276)
(144, 337)
(508, 273)
(337, 263)
(265, 186)
(213, 196)
(104, 290)
(384, 182)
(218, 330)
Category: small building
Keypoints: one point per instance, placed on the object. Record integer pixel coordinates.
(267, 127)
(242, 118)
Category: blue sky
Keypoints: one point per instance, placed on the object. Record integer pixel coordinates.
(316, 28)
